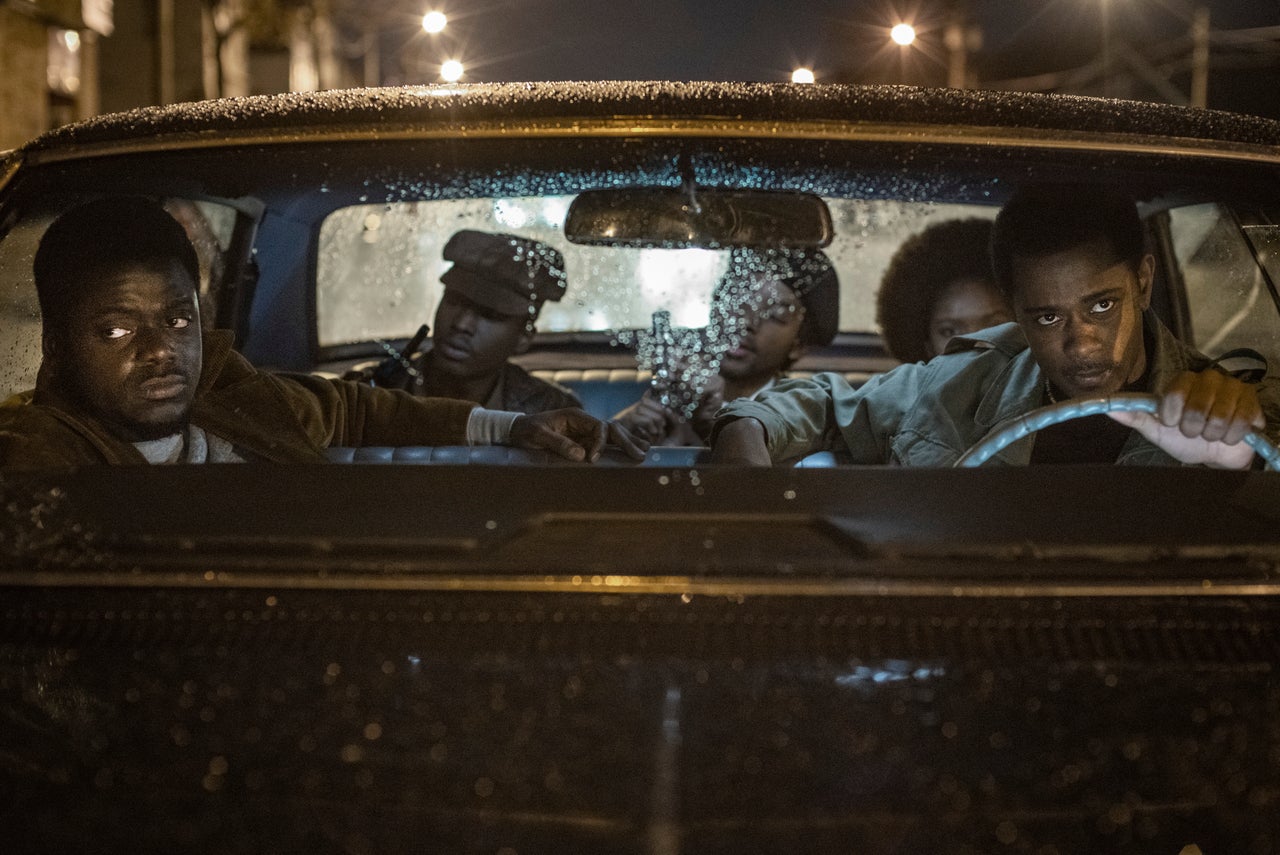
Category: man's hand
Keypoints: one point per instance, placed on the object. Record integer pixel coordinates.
(648, 419)
(741, 441)
(574, 435)
(1203, 418)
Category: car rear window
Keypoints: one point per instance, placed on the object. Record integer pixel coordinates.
(379, 265)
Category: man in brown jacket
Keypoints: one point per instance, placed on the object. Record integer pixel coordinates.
(128, 377)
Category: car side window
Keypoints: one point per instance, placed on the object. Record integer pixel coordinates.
(1229, 300)
(209, 225)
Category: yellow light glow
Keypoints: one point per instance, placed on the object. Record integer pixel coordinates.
(451, 71)
(802, 75)
(903, 34)
(434, 22)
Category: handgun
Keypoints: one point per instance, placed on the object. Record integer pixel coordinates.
(392, 371)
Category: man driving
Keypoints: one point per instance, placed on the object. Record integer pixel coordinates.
(1071, 262)
(127, 375)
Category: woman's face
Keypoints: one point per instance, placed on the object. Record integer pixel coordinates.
(965, 306)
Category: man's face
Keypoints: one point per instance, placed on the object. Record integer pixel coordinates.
(767, 324)
(130, 352)
(1082, 315)
(471, 340)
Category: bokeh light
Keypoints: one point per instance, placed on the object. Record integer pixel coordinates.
(434, 22)
(451, 71)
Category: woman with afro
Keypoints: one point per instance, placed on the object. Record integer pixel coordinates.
(938, 285)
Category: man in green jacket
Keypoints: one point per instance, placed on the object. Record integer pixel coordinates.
(127, 375)
(1071, 261)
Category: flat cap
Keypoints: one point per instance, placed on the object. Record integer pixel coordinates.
(503, 272)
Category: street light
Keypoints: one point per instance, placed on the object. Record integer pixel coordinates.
(903, 34)
(451, 71)
(802, 75)
(434, 22)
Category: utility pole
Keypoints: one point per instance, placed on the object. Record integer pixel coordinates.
(961, 39)
(372, 53)
(165, 87)
(1200, 57)
(1106, 48)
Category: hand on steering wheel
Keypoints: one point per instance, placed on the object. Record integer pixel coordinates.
(996, 441)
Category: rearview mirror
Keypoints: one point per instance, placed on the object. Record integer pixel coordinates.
(707, 219)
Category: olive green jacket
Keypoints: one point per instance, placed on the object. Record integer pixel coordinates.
(930, 413)
(286, 418)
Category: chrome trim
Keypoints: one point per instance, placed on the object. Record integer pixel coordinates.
(606, 584)
(992, 137)
(10, 161)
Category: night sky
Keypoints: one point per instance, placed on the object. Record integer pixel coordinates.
(842, 40)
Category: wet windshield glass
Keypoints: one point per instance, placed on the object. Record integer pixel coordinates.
(324, 259)
(379, 266)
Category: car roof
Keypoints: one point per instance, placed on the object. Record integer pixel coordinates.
(296, 117)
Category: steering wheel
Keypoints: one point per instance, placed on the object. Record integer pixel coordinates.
(998, 440)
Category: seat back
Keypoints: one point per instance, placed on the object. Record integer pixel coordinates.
(502, 455)
(605, 392)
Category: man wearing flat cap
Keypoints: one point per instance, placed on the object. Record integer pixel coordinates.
(493, 294)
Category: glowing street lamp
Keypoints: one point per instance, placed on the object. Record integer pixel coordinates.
(903, 34)
(802, 75)
(451, 71)
(434, 22)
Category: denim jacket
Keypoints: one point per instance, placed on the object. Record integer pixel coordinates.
(930, 413)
